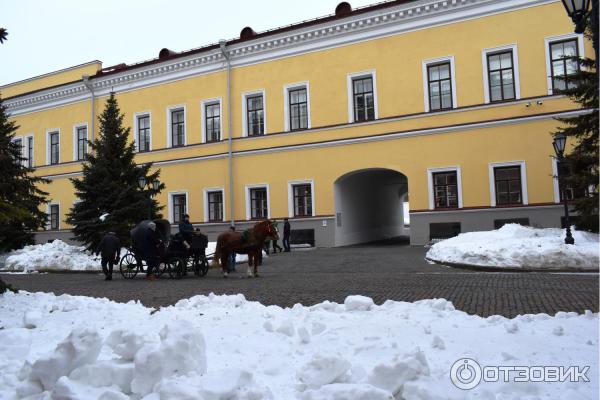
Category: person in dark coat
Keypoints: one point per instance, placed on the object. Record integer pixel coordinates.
(110, 250)
(187, 230)
(150, 250)
(287, 230)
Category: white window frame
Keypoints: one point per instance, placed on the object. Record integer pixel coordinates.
(203, 104)
(484, 62)
(26, 147)
(170, 109)
(551, 39)
(291, 195)
(430, 185)
(170, 203)
(245, 95)
(372, 73)
(75, 144)
(439, 60)
(205, 197)
(23, 145)
(135, 128)
(491, 166)
(49, 219)
(286, 102)
(248, 206)
(48, 132)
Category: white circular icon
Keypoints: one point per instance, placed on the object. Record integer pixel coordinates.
(465, 373)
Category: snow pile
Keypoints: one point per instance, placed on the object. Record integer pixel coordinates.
(61, 256)
(224, 347)
(57, 255)
(516, 246)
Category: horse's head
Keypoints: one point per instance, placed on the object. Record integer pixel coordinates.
(268, 228)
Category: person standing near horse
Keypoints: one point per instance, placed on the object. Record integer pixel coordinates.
(287, 230)
(274, 239)
(110, 250)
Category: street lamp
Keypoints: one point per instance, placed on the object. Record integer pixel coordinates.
(142, 182)
(559, 144)
(579, 11)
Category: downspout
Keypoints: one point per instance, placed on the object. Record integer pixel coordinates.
(90, 87)
(223, 45)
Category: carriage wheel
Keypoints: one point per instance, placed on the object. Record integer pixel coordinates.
(176, 268)
(201, 267)
(128, 266)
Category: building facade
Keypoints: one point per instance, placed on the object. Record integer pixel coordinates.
(337, 123)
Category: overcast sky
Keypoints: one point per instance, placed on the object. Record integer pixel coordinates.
(47, 35)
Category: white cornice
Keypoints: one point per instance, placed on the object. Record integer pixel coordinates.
(339, 32)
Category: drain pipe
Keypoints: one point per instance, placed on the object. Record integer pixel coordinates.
(225, 53)
(90, 87)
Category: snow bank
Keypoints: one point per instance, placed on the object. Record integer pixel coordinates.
(224, 347)
(516, 246)
(57, 255)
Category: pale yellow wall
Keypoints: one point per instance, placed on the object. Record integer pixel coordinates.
(397, 61)
(52, 79)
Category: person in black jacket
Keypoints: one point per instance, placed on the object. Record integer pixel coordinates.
(110, 250)
(287, 230)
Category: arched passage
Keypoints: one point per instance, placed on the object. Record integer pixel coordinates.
(369, 206)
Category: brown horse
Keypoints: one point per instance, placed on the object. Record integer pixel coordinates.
(250, 242)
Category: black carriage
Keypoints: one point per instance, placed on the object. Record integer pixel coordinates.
(175, 258)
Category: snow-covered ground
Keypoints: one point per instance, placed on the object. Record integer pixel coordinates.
(224, 347)
(516, 246)
(59, 255)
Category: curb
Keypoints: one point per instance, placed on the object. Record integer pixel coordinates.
(510, 269)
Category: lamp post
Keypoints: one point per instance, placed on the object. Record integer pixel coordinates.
(579, 11)
(154, 185)
(559, 143)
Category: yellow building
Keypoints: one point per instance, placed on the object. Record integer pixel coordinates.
(333, 122)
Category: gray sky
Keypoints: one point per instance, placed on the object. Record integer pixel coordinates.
(47, 35)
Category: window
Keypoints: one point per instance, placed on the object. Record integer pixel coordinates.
(178, 127)
(54, 217)
(445, 188)
(54, 147)
(30, 151)
(19, 143)
(567, 191)
(508, 185)
(562, 64)
(302, 200)
(255, 115)
(212, 114)
(179, 207)
(501, 79)
(298, 108)
(81, 142)
(143, 133)
(215, 206)
(259, 207)
(363, 99)
(440, 86)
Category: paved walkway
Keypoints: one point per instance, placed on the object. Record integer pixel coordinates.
(379, 271)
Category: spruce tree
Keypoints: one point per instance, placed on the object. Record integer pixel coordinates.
(110, 184)
(581, 172)
(21, 200)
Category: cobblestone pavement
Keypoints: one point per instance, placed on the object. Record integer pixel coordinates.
(379, 271)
